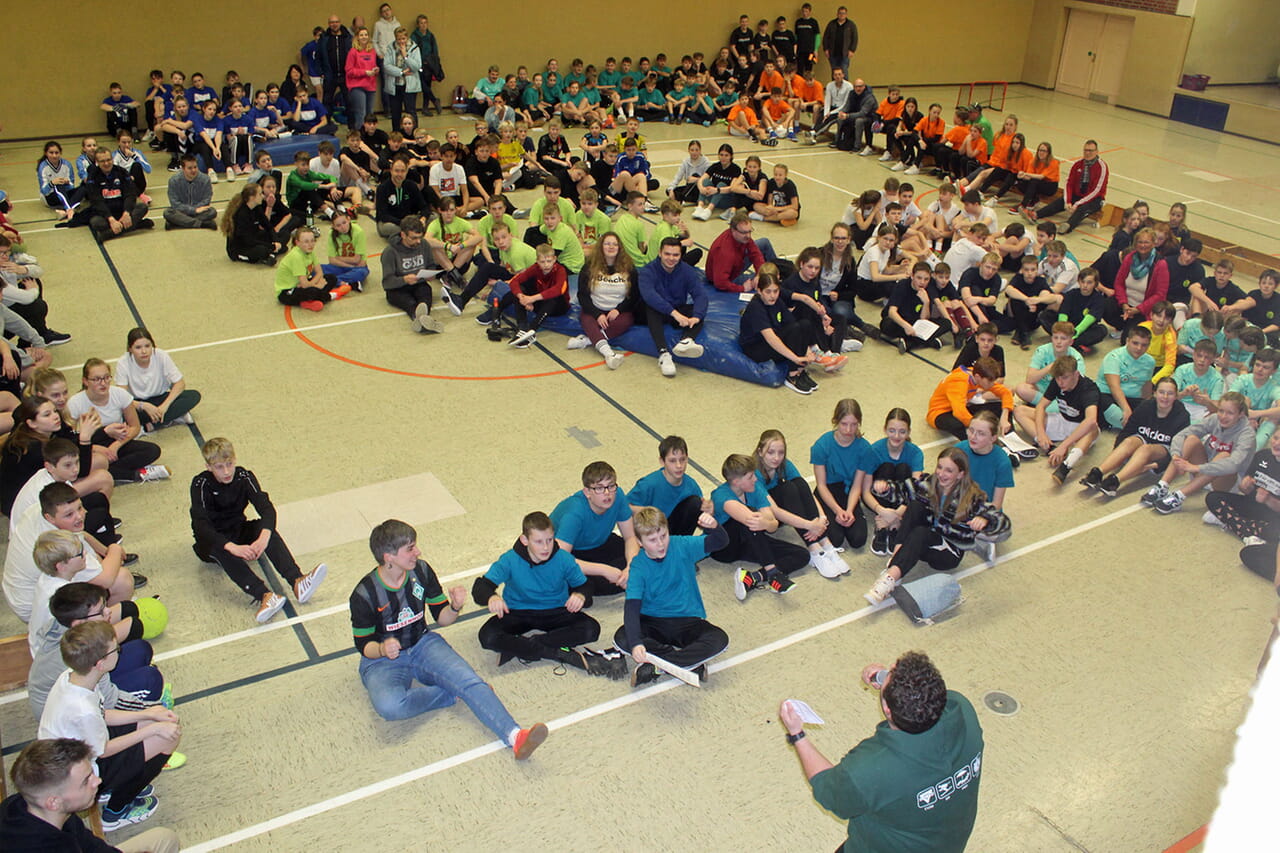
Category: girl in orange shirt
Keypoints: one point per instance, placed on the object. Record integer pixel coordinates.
(890, 112)
(931, 130)
(1016, 159)
(947, 165)
(971, 156)
(1040, 178)
(999, 155)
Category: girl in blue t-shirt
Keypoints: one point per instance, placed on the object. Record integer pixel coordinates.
(795, 504)
(838, 458)
(891, 465)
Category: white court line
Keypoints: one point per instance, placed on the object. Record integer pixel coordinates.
(276, 333)
(602, 708)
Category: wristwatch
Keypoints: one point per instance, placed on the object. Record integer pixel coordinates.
(793, 739)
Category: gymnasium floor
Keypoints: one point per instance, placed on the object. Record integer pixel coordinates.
(1128, 639)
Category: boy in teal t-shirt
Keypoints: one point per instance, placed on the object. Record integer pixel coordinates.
(664, 613)
(1200, 384)
(671, 490)
(1124, 377)
(1262, 390)
(543, 590)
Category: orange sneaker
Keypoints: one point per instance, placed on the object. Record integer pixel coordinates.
(832, 363)
(312, 305)
(527, 740)
(340, 291)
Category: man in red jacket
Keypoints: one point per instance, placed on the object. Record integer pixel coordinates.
(735, 259)
(1083, 193)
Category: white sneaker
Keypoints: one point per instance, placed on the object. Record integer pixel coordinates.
(1251, 541)
(755, 217)
(307, 584)
(687, 348)
(851, 345)
(269, 608)
(886, 157)
(728, 214)
(828, 564)
(1210, 518)
(152, 472)
(667, 364)
(865, 151)
(898, 167)
(912, 170)
(420, 315)
(213, 176)
(881, 589)
(613, 360)
(525, 339)
(702, 214)
(231, 174)
(579, 342)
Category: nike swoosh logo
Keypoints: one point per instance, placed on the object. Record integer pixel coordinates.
(383, 607)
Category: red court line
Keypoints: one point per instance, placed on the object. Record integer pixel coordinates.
(288, 317)
(1190, 842)
(1109, 150)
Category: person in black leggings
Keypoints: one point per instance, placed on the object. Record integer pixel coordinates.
(745, 510)
(794, 503)
(839, 460)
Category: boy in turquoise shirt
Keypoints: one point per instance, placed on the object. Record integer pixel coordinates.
(1262, 390)
(1125, 378)
(543, 590)
(670, 490)
(1200, 384)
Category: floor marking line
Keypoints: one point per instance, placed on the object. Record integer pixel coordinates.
(362, 793)
(1190, 841)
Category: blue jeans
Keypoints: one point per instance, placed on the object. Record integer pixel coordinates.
(770, 256)
(359, 105)
(445, 678)
(347, 275)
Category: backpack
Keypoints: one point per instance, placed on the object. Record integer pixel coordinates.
(459, 99)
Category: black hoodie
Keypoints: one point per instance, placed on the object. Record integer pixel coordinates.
(23, 832)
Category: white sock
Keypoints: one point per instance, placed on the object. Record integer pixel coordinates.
(511, 737)
(1073, 456)
(1180, 495)
(603, 346)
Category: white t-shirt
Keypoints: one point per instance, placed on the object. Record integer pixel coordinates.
(112, 412)
(875, 253)
(963, 255)
(333, 171)
(1065, 273)
(41, 617)
(987, 216)
(447, 182)
(28, 495)
(150, 381)
(20, 572)
(947, 215)
(74, 712)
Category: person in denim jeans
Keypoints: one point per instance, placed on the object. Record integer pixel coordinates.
(388, 621)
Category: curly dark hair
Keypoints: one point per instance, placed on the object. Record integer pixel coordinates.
(916, 694)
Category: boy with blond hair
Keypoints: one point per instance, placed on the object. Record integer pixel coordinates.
(219, 496)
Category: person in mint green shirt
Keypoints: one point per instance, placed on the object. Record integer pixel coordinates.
(1061, 335)
(1262, 390)
(1200, 384)
(452, 240)
(590, 223)
(631, 230)
(563, 239)
(912, 785)
(510, 257)
(1124, 379)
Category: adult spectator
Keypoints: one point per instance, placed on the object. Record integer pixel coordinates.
(405, 277)
(840, 39)
(55, 778)
(190, 198)
(859, 116)
(913, 785)
(334, 46)
(1083, 193)
(835, 97)
(113, 201)
(734, 258)
(429, 54)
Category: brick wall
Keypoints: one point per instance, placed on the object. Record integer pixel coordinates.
(1166, 7)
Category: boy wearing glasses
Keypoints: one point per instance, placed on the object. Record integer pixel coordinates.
(129, 747)
(584, 524)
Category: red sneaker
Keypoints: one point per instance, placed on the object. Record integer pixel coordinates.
(340, 291)
(527, 740)
(312, 305)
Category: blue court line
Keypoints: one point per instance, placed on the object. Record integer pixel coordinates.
(299, 630)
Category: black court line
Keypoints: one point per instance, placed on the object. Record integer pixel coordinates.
(256, 678)
(299, 630)
(631, 416)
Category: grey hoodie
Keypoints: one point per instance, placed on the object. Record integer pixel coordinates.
(399, 261)
(1237, 441)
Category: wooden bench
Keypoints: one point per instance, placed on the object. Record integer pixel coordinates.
(15, 663)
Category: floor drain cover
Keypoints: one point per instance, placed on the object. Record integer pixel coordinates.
(1001, 703)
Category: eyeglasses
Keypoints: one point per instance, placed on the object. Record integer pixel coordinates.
(746, 233)
(604, 490)
(110, 652)
(106, 378)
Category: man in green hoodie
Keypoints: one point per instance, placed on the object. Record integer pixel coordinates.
(913, 785)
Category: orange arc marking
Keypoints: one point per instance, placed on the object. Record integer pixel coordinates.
(288, 318)
(1190, 842)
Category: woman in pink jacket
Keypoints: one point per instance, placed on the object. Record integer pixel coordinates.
(362, 78)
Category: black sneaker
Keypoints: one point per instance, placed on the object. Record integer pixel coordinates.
(53, 339)
(643, 674)
(485, 317)
(880, 542)
(599, 663)
(130, 559)
(1110, 485)
(1061, 473)
(451, 302)
(797, 383)
(1093, 479)
(1014, 459)
(809, 382)
(781, 584)
(902, 345)
(139, 581)
(117, 523)
(936, 343)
